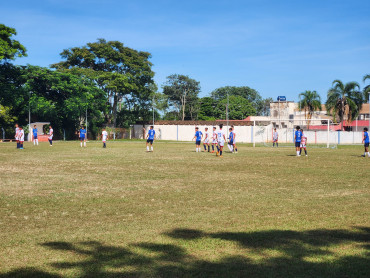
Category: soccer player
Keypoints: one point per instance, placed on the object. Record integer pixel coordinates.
(104, 137)
(231, 140)
(34, 133)
(365, 140)
(220, 140)
(82, 135)
(303, 144)
(150, 138)
(198, 138)
(297, 139)
(51, 134)
(234, 140)
(275, 138)
(214, 139)
(206, 140)
(16, 136)
(21, 137)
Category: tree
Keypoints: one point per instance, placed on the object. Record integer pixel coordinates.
(182, 90)
(123, 73)
(310, 102)
(344, 100)
(239, 108)
(10, 48)
(246, 92)
(367, 88)
(207, 106)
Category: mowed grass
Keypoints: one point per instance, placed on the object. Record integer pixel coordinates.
(67, 211)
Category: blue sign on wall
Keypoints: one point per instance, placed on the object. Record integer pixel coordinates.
(281, 98)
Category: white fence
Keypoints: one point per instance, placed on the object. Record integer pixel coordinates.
(250, 134)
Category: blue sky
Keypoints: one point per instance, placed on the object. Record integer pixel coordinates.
(276, 47)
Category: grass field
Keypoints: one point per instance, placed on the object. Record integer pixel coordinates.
(94, 212)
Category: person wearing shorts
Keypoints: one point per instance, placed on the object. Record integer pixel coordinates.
(214, 140)
(234, 140)
(221, 138)
(104, 137)
(365, 140)
(21, 137)
(231, 140)
(34, 133)
(206, 140)
(297, 140)
(82, 135)
(150, 139)
(51, 135)
(275, 138)
(198, 138)
(303, 144)
(16, 136)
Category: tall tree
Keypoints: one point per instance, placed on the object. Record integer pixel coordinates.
(182, 91)
(10, 48)
(123, 73)
(207, 109)
(310, 102)
(367, 88)
(244, 91)
(239, 108)
(344, 100)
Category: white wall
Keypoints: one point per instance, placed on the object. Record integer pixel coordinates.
(250, 134)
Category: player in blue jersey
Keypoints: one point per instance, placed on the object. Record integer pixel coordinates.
(230, 145)
(34, 133)
(82, 135)
(298, 139)
(198, 138)
(366, 141)
(150, 138)
(234, 140)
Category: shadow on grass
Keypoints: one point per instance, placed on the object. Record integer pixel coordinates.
(282, 253)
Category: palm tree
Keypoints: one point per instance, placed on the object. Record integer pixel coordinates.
(310, 102)
(367, 88)
(344, 100)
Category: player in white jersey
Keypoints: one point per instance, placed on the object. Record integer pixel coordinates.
(303, 144)
(16, 136)
(206, 139)
(51, 134)
(214, 139)
(275, 138)
(221, 138)
(104, 137)
(21, 137)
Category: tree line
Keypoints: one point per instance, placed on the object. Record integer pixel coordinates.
(109, 83)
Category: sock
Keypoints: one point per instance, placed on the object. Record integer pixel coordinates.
(205, 147)
(236, 149)
(34, 141)
(151, 148)
(220, 153)
(81, 144)
(85, 144)
(218, 149)
(147, 148)
(208, 148)
(277, 144)
(273, 144)
(305, 151)
(37, 142)
(298, 153)
(213, 147)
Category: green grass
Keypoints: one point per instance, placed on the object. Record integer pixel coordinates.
(94, 212)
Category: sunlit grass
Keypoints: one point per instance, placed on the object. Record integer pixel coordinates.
(74, 211)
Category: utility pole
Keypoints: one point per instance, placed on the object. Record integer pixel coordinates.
(29, 116)
(227, 112)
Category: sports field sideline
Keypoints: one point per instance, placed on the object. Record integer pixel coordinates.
(67, 211)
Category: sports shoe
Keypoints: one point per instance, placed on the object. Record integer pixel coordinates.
(216, 153)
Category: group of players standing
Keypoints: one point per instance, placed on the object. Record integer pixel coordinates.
(218, 140)
(19, 136)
